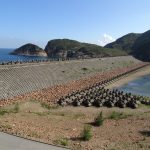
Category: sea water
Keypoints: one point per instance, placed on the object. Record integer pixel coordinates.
(5, 56)
(139, 86)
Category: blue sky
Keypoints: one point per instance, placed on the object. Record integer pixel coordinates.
(94, 21)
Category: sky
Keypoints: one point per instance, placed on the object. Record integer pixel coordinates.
(94, 21)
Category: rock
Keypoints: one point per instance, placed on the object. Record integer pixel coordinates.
(29, 50)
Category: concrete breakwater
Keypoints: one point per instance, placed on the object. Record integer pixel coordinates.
(52, 94)
(20, 79)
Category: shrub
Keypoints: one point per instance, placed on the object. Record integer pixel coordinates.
(99, 119)
(86, 134)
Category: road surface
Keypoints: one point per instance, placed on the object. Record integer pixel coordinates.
(9, 142)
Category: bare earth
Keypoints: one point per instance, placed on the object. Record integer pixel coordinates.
(53, 125)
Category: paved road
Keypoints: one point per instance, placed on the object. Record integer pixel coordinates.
(9, 142)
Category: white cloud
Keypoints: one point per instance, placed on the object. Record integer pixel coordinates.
(105, 39)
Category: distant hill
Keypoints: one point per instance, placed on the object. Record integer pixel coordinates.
(66, 48)
(137, 45)
(124, 43)
(29, 49)
(141, 47)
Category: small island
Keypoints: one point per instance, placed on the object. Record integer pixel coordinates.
(30, 50)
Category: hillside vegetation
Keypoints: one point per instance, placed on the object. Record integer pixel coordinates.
(136, 44)
(66, 48)
(29, 49)
(124, 43)
(141, 47)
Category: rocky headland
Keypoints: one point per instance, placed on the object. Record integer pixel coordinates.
(29, 50)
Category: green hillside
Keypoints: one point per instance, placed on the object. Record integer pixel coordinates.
(124, 43)
(66, 48)
(141, 47)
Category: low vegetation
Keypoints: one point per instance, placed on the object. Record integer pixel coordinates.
(118, 115)
(68, 126)
(99, 120)
(86, 134)
(15, 109)
(47, 106)
(62, 141)
(66, 48)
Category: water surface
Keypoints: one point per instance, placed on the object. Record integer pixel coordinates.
(140, 86)
(6, 57)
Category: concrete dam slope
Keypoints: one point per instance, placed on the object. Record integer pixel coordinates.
(25, 78)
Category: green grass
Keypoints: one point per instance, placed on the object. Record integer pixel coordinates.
(62, 141)
(99, 119)
(3, 111)
(44, 105)
(118, 115)
(86, 134)
(8, 111)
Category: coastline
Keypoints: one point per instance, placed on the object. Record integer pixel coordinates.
(129, 77)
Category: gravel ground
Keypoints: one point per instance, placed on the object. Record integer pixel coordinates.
(20, 79)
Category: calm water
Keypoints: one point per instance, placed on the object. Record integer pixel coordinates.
(6, 57)
(139, 86)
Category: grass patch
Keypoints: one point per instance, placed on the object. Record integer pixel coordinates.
(79, 115)
(144, 106)
(118, 115)
(44, 105)
(99, 120)
(34, 134)
(12, 110)
(86, 134)
(3, 111)
(62, 141)
(6, 126)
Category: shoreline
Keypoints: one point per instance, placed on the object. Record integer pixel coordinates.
(129, 77)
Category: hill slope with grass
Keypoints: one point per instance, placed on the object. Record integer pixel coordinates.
(141, 47)
(124, 43)
(29, 49)
(66, 48)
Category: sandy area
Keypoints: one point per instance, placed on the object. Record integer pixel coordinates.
(130, 77)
